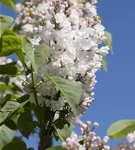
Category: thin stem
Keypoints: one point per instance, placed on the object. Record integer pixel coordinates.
(41, 83)
(58, 133)
(35, 95)
(23, 80)
(33, 86)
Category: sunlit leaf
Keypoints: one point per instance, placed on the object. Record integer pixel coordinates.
(10, 44)
(108, 39)
(9, 3)
(104, 63)
(8, 32)
(19, 52)
(121, 128)
(5, 21)
(4, 86)
(6, 135)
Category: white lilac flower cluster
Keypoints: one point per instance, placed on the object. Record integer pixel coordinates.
(131, 138)
(88, 139)
(130, 145)
(123, 146)
(74, 31)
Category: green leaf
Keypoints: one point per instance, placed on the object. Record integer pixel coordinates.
(8, 32)
(108, 39)
(24, 98)
(4, 86)
(10, 44)
(71, 92)
(8, 69)
(35, 56)
(65, 132)
(19, 52)
(5, 21)
(9, 3)
(19, 145)
(20, 55)
(104, 63)
(9, 109)
(9, 97)
(6, 110)
(56, 148)
(29, 52)
(63, 129)
(121, 128)
(10, 124)
(6, 135)
(26, 124)
(40, 54)
(5, 79)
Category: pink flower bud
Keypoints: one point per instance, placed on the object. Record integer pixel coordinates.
(95, 124)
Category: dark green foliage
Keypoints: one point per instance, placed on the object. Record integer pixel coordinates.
(26, 124)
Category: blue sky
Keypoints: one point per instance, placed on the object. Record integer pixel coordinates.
(115, 90)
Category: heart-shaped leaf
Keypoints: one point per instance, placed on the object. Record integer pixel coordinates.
(26, 124)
